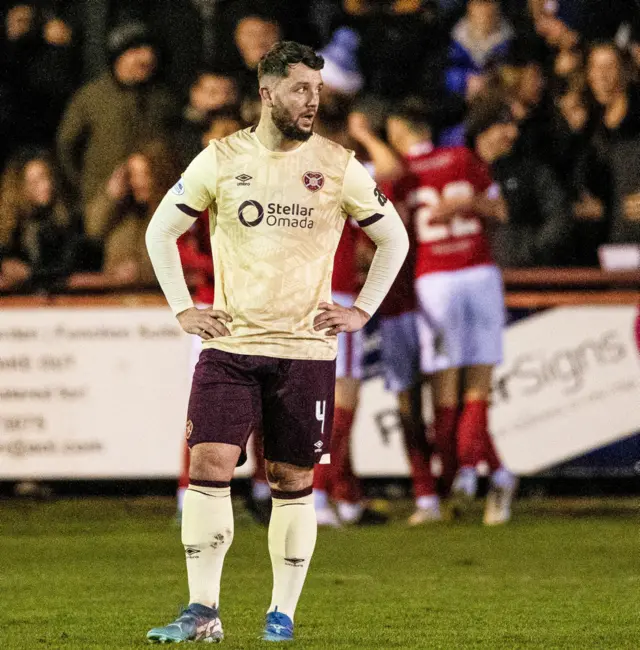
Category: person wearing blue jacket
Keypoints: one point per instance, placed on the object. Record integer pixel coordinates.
(483, 36)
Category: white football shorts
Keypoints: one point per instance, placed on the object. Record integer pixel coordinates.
(349, 361)
(400, 351)
(461, 317)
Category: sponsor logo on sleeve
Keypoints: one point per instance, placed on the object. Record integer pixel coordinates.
(178, 188)
(379, 194)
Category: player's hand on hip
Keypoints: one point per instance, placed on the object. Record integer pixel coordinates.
(335, 319)
(206, 323)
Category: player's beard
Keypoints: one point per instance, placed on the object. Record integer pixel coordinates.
(286, 125)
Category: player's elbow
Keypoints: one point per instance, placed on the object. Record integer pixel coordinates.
(401, 241)
(405, 241)
(150, 236)
(155, 235)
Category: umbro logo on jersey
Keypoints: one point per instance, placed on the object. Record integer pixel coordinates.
(243, 179)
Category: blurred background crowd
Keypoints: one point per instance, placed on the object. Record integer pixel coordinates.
(104, 102)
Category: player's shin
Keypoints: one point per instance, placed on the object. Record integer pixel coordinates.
(207, 533)
(183, 481)
(470, 437)
(346, 488)
(292, 539)
(445, 422)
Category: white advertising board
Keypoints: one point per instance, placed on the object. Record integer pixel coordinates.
(92, 393)
(569, 384)
(102, 393)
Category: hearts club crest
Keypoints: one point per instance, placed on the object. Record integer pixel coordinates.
(313, 181)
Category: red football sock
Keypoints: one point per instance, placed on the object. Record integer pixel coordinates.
(489, 451)
(322, 478)
(183, 481)
(445, 439)
(259, 473)
(419, 454)
(470, 434)
(345, 484)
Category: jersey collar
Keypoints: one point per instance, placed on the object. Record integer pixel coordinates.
(420, 149)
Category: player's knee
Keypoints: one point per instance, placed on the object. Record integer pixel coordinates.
(347, 393)
(405, 404)
(213, 461)
(284, 477)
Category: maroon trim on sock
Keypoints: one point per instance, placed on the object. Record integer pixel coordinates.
(277, 494)
(211, 484)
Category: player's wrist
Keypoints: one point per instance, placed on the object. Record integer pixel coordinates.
(182, 313)
(366, 316)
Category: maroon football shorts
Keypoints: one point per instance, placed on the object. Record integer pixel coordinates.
(291, 400)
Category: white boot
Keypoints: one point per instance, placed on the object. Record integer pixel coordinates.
(499, 498)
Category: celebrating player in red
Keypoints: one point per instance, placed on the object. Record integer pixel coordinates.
(338, 480)
(399, 346)
(460, 297)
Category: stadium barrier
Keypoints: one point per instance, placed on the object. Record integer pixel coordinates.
(97, 386)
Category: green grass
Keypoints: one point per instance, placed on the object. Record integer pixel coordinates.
(88, 574)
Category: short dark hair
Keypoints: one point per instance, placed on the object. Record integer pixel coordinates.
(416, 112)
(204, 70)
(484, 113)
(283, 54)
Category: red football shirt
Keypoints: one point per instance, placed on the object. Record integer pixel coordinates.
(401, 297)
(345, 271)
(195, 255)
(434, 174)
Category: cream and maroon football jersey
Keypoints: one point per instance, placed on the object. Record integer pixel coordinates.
(276, 220)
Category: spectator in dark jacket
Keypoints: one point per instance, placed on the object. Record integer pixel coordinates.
(39, 58)
(193, 33)
(111, 116)
(586, 173)
(402, 47)
(537, 225)
(524, 85)
(254, 35)
(617, 137)
(37, 240)
(210, 93)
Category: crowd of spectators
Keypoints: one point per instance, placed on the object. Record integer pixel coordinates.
(103, 103)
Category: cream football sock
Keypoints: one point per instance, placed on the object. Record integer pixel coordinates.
(292, 538)
(207, 533)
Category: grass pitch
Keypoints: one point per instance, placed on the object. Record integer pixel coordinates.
(98, 573)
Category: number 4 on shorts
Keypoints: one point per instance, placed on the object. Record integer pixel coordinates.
(321, 410)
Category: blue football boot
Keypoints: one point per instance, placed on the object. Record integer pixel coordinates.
(195, 623)
(278, 627)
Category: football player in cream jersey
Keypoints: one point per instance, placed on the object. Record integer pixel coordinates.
(278, 196)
